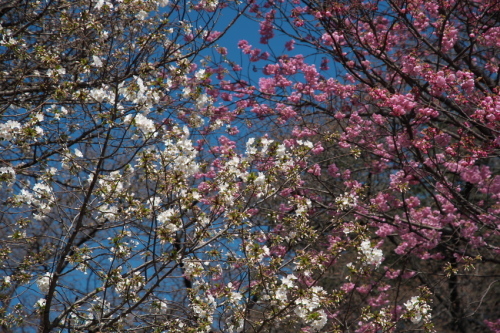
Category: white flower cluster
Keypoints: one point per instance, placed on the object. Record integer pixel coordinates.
(346, 201)
(235, 297)
(9, 129)
(204, 307)
(195, 120)
(78, 153)
(251, 150)
(418, 309)
(265, 143)
(7, 39)
(210, 5)
(215, 125)
(280, 150)
(57, 111)
(146, 125)
(142, 15)
(308, 309)
(105, 93)
(305, 143)
(97, 61)
(139, 94)
(55, 73)
(7, 280)
(100, 3)
(130, 284)
(256, 252)
(281, 293)
(182, 154)
(192, 267)
(41, 198)
(43, 282)
(111, 183)
(227, 192)
(303, 207)
(260, 180)
(232, 169)
(108, 212)
(40, 303)
(202, 100)
(165, 219)
(288, 281)
(372, 256)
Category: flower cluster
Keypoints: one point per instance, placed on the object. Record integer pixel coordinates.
(43, 282)
(170, 188)
(418, 310)
(371, 256)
